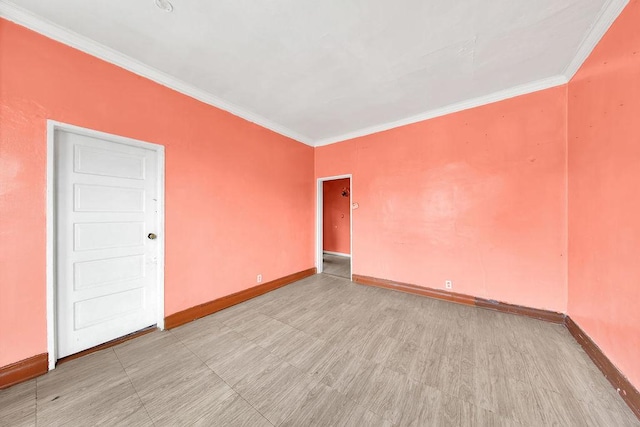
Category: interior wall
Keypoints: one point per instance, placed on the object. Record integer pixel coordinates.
(336, 217)
(239, 198)
(604, 194)
(477, 197)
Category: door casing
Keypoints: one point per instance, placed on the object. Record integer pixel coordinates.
(52, 126)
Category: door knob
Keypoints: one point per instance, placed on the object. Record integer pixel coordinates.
(152, 236)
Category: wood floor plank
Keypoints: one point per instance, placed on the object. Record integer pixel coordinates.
(248, 360)
(233, 411)
(318, 408)
(18, 404)
(345, 370)
(181, 401)
(276, 392)
(91, 390)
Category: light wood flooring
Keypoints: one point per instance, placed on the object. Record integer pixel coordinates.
(336, 265)
(327, 352)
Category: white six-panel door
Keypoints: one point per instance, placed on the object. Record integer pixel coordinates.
(106, 196)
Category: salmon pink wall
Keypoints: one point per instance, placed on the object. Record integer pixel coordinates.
(604, 194)
(239, 198)
(477, 197)
(336, 236)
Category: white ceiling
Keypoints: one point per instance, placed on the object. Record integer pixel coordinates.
(323, 71)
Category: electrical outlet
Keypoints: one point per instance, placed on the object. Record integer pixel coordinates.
(259, 278)
(448, 284)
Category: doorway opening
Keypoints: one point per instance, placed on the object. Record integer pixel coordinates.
(105, 238)
(334, 224)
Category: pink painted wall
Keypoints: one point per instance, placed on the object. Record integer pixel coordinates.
(477, 197)
(239, 198)
(604, 194)
(336, 236)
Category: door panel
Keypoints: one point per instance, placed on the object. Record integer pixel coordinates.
(106, 235)
(93, 311)
(106, 267)
(88, 274)
(100, 198)
(95, 161)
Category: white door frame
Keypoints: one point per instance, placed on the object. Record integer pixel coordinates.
(320, 219)
(52, 126)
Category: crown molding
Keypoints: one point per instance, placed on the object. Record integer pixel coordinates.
(452, 108)
(34, 22)
(608, 14)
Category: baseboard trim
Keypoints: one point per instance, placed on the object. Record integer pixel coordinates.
(24, 370)
(202, 310)
(337, 254)
(108, 344)
(414, 289)
(521, 310)
(550, 316)
(625, 389)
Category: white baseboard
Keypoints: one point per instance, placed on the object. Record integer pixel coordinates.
(337, 254)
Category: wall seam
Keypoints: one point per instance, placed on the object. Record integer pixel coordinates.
(566, 195)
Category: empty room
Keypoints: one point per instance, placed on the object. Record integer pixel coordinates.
(304, 213)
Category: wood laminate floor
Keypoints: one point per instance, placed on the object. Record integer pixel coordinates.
(327, 352)
(336, 265)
